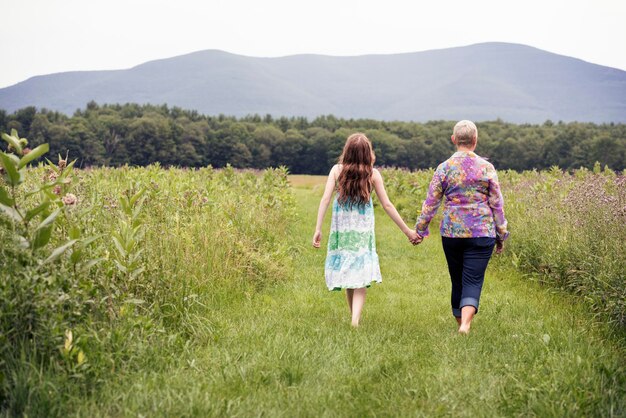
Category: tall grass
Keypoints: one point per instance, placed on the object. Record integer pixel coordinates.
(569, 231)
(157, 251)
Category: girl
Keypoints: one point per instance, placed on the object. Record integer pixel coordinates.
(352, 262)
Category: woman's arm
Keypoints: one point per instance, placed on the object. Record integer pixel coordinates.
(496, 203)
(432, 203)
(321, 211)
(379, 186)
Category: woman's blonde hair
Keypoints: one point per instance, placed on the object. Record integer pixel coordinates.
(355, 179)
(465, 133)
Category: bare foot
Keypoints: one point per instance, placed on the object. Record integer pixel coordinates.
(464, 329)
(355, 324)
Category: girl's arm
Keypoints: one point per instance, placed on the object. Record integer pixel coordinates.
(321, 211)
(379, 186)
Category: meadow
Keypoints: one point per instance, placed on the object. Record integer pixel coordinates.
(174, 292)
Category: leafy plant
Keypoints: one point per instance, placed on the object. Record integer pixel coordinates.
(37, 299)
(33, 224)
(129, 235)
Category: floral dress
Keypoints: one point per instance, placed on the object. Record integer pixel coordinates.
(352, 262)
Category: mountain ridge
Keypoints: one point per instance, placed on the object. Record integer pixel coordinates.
(486, 81)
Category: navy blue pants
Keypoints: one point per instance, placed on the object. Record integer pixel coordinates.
(467, 261)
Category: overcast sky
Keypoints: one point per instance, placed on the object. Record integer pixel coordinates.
(47, 36)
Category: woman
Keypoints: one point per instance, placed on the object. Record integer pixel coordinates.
(473, 220)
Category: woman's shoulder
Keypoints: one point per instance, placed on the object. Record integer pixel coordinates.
(443, 166)
(486, 163)
(486, 167)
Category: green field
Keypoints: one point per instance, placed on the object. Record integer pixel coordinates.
(263, 336)
(290, 351)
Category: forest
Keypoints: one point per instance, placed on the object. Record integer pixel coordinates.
(139, 135)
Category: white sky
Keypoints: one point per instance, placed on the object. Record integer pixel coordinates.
(47, 36)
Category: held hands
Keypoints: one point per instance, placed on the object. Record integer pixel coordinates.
(317, 239)
(414, 237)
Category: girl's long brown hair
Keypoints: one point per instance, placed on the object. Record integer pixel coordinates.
(355, 180)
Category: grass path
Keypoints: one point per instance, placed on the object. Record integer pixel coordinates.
(290, 350)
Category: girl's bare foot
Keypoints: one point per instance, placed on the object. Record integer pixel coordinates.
(358, 300)
(464, 329)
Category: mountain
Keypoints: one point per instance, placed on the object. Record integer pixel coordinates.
(516, 83)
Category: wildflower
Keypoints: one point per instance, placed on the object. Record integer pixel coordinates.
(52, 176)
(26, 151)
(57, 190)
(69, 199)
(62, 162)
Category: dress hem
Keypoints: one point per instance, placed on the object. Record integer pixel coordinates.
(339, 288)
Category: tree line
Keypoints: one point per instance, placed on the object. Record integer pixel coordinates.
(114, 135)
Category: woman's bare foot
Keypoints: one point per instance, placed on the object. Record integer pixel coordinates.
(467, 314)
(464, 329)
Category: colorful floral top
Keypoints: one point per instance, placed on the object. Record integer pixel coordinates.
(473, 205)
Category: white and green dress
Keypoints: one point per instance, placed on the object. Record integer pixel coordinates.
(352, 262)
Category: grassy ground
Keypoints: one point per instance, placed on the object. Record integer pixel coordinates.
(303, 181)
(290, 351)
